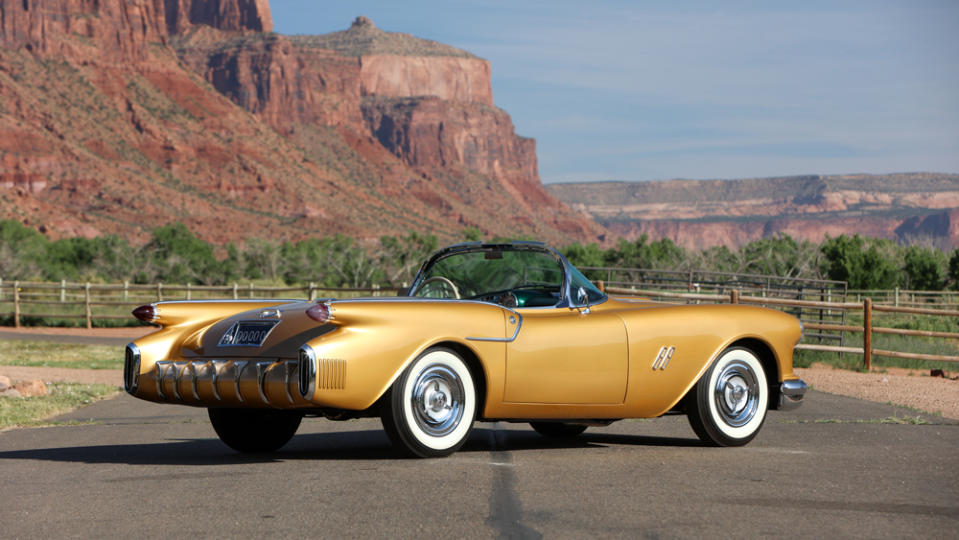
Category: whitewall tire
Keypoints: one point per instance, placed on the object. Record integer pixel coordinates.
(728, 405)
(432, 405)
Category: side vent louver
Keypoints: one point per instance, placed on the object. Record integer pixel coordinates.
(319, 373)
(332, 374)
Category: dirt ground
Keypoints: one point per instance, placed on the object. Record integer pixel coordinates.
(910, 388)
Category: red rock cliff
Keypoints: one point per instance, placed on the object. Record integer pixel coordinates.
(119, 135)
(111, 30)
(428, 104)
(227, 15)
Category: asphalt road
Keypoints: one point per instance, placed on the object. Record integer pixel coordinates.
(833, 468)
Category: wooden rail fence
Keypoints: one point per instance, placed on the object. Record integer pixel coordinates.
(101, 302)
(867, 306)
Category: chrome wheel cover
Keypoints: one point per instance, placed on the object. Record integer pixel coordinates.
(736, 394)
(437, 400)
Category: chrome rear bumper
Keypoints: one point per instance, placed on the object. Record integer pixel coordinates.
(791, 394)
(229, 383)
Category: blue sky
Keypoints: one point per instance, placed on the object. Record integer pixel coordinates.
(652, 90)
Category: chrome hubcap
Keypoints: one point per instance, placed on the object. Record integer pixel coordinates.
(737, 394)
(437, 400)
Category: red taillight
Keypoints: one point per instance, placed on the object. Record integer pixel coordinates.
(319, 312)
(147, 313)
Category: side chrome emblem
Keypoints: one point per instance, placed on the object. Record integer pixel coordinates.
(663, 358)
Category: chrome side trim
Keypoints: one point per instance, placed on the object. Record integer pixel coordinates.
(791, 394)
(663, 358)
(519, 324)
(274, 301)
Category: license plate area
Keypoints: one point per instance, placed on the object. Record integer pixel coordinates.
(247, 334)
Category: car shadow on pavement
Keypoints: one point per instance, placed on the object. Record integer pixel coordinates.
(341, 445)
(514, 440)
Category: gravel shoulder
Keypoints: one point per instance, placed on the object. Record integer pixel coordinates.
(908, 388)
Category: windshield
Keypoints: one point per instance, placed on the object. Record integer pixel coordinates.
(511, 277)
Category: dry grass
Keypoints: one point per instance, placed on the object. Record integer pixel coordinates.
(63, 397)
(60, 355)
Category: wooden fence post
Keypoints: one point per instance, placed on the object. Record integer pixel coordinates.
(63, 291)
(897, 297)
(251, 289)
(734, 296)
(159, 291)
(235, 291)
(867, 332)
(601, 286)
(312, 291)
(189, 296)
(126, 291)
(86, 301)
(16, 304)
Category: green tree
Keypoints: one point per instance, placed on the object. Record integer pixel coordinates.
(719, 259)
(953, 271)
(862, 264)
(176, 255)
(580, 256)
(662, 254)
(924, 268)
(472, 234)
(779, 255)
(22, 251)
(264, 259)
(401, 256)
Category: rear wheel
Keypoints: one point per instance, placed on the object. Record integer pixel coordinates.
(432, 405)
(728, 405)
(254, 430)
(557, 429)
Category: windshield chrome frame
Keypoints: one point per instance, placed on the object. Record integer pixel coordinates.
(566, 294)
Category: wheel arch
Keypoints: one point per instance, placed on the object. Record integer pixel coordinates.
(762, 350)
(766, 357)
(469, 356)
(477, 370)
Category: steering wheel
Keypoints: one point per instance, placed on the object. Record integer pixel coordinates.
(446, 283)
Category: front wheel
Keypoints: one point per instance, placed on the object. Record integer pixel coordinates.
(254, 430)
(432, 405)
(728, 405)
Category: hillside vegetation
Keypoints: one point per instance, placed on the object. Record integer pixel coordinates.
(175, 255)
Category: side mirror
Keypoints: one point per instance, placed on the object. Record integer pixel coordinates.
(582, 299)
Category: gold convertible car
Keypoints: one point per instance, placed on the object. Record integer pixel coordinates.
(489, 332)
